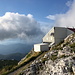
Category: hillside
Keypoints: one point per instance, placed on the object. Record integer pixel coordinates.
(6, 65)
(16, 56)
(59, 60)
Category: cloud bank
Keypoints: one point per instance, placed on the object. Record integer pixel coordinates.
(14, 25)
(67, 19)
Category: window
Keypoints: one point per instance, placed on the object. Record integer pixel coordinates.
(52, 34)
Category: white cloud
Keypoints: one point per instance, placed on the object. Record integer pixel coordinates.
(51, 17)
(14, 25)
(67, 19)
(45, 26)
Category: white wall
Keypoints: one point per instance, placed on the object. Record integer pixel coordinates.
(41, 47)
(36, 48)
(60, 34)
(48, 37)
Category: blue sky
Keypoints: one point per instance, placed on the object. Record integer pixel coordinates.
(29, 20)
(38, 8)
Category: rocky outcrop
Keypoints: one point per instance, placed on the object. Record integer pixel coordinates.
(58, 67)
(55, 62)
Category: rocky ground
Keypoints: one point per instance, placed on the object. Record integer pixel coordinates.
(62, 66)
(59, 60)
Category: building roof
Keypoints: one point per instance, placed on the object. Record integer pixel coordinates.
(72, 29)
(41, 44)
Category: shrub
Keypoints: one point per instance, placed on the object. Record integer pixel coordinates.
(53, 57)
(72, 45)
(65, 44)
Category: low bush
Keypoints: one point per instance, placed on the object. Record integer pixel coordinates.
(72, 45)
(53, 57)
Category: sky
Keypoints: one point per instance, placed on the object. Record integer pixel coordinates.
(27, 21)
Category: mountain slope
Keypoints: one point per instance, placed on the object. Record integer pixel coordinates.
(59, 60)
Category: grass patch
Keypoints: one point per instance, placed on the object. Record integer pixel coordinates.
(57, 46)
(53, 57)
(72, 45)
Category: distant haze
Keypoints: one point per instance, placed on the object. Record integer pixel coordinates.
(15, 48)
